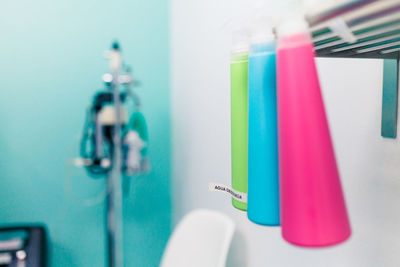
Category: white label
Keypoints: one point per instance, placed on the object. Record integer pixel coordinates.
(239, 196)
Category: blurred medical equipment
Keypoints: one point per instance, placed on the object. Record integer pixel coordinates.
(202, 238)
(114, 144)
(97, 144)
(23, 246)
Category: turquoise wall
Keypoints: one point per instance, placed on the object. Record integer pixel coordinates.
(50, 66)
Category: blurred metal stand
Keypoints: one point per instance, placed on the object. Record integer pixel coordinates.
(114, 187)
(104, 149)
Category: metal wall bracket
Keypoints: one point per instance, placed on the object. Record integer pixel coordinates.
(376, 27)
(390, 97)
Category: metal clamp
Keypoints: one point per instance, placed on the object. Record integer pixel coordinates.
(390, 97)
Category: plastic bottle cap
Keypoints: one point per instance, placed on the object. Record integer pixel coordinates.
(293, 25)
(240, 41)
(261, 35)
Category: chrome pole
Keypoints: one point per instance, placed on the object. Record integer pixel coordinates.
(114, 187)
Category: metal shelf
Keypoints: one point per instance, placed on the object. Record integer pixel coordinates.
(375, 24)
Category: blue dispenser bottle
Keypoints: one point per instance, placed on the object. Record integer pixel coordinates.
(263, 176)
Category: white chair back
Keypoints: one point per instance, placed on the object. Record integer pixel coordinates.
(201, 239)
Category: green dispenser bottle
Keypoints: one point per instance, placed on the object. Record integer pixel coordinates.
(239, 115)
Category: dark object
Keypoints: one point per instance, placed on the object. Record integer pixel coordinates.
(23, 246)
(96, 142)
(105, 98)
(115, 46)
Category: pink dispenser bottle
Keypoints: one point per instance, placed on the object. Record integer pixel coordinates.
(313, 210)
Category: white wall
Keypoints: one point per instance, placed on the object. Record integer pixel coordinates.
(369, 164)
